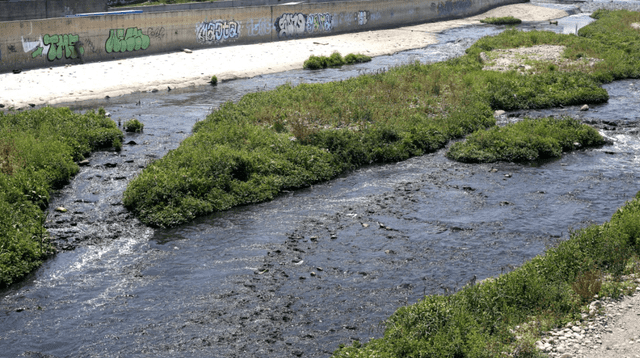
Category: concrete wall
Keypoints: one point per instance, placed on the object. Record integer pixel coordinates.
(53, 42)
(42, 9)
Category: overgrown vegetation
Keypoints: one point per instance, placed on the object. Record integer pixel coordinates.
(133, 125)
(38, 149)
(504, 316)
(527, 140)
(335, 60)
(293, 137)
(507, 20)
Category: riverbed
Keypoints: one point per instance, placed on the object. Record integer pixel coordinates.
(313, 268)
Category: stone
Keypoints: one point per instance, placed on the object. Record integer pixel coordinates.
(186, 50)
(484, 58)
(83, 163)
(498, 113)
(61, 209)
(584, 108)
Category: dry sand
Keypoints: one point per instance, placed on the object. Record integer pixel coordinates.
(181, 69)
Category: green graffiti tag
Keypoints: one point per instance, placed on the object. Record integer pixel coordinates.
(132, 40)
(60, 46)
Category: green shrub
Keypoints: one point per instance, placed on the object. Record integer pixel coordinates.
(507, 20)
(37, 153)
(214, 80)
(356, 58)
(133, 125)
(335, 60)
(527, 140)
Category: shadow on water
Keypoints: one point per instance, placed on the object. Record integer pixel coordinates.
(313, 268)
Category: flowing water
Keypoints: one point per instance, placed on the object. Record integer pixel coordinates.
(313, 268)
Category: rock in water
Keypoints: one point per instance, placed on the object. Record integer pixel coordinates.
(585, 107)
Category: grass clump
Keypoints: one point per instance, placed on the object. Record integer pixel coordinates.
(507, 20)
(293, 137)
(38, 151)
(133, 125)
(527, 140)
(335, 60)
(214, 80)
(505, 315)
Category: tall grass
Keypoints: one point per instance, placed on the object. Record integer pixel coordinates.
(38, 150)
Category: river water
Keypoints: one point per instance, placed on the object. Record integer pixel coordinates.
(313, 268)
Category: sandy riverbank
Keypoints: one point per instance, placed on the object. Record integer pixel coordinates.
(182, 69)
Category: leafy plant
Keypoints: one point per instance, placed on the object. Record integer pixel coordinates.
(133, 125)
(214, 80)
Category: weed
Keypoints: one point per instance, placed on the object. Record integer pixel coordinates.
(214, 80)
(133, 125)
(588, 284)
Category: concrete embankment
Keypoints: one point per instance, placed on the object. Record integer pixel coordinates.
(57, 41)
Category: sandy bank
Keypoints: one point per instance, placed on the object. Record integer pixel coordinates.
(175, 70)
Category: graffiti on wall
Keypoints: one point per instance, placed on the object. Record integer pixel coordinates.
(54, 47)
(12, 48)
(156, 32)
(288, 25)
(319, 23)
(261, 27)
(362, 17)
(217, 31)
(130, 40)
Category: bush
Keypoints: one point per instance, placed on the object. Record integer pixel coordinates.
(214, 80)
(133, 125)
(527, 140)
(37, 153)
(508, 20)
(335, 60)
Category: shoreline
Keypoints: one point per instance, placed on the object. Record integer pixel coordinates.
(73, 83)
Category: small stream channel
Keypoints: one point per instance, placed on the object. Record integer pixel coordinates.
(313, 268)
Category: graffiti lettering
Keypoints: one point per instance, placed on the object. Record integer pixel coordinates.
(260, 27)
(12, 48)
(319, 23)
(288, 25)
(132, 40)
(156, 33)
(362, 17)
(217, 31)
(61, 46)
